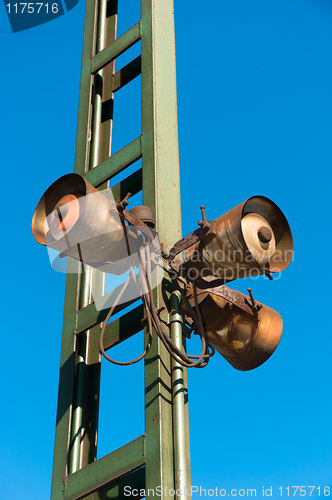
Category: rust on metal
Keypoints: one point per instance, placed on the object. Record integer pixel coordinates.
(243, 242)
(204, 224)
(143, 213)
(130, 217)
(245, 340)
(241, 301)
(124, 203)
(190, 239)
(254, 305)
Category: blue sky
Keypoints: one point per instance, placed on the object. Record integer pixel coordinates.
(254, 86)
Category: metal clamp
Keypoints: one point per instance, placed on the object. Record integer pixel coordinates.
(192, 238)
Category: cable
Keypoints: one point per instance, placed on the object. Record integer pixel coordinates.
(102, 331)
(183, 359)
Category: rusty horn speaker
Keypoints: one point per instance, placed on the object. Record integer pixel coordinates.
(77, 220)
(245, 334)
(251, 239)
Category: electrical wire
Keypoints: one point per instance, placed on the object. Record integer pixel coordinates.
(187, 360)
(177, 354)
(102, 331)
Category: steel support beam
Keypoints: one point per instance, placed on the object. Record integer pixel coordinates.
(117, 48)
(105, 470)
(119, 489)
(161, 192)
(115, 163)
(96, 312)
(124, 327)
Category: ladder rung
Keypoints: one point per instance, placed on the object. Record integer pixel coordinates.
(126, 74)
(115, 163)
(132, 184)
(116, 490)
(115, 49)
(124, 327)
(95, 313)
(105, 470)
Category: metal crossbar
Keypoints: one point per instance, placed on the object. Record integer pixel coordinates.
(149, 461)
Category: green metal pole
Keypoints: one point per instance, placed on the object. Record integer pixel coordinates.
(106, 126)
(161, 192)
(100, 151)
(179, 413)
(97, 110)
(76, 431)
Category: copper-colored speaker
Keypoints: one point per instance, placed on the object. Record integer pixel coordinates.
(77, 220)
(251, 239)
(245, 338)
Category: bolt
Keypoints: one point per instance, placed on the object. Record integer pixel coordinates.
(203, 223)
(251, 297)
(124, 203)
(254, 306)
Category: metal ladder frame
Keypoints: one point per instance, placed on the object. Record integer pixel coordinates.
(150, 460)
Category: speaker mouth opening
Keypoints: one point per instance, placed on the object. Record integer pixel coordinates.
(76, 220)
(64, 186)
(279, 258)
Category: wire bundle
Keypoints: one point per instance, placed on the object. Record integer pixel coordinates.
(180, 357)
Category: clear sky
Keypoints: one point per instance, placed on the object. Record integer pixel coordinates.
(254, 85)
